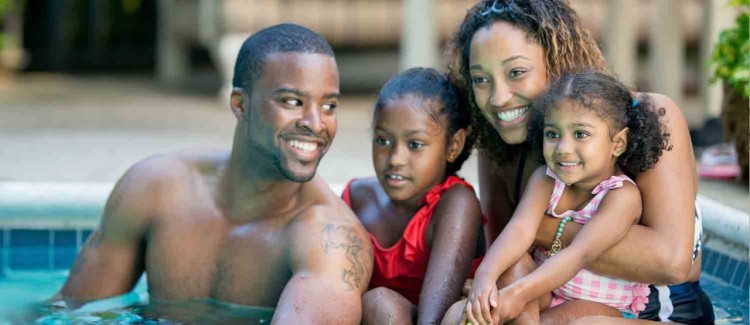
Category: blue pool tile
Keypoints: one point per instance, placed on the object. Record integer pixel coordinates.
(65, 238)
(2, 252)
(721, 263)
(29, 249)
(65, 250)
(709, 259)
(64, 258)
(739, 273)
(29, 238)
(29, 258)
(712, 265)
(728, 271)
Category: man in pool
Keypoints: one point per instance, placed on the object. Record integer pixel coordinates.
(254, 226)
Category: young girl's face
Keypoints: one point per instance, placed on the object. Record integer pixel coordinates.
(578, 147)
(409, 149)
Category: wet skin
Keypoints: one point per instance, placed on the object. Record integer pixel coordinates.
(244, 226)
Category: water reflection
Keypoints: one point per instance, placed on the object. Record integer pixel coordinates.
(195, 311)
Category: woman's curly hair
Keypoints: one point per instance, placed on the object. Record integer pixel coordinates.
(553, 24)
(618, 107)
(444, 101)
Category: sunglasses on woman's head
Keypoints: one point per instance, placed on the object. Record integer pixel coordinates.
(505, 6)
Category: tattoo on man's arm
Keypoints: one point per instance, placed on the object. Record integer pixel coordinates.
(339, 237)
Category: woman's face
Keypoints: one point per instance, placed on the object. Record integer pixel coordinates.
(507, 72)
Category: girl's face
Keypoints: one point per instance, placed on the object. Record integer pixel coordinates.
(409, 148)
(507, 72)
(577, 145)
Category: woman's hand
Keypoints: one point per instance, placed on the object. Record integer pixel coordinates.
(480, 302)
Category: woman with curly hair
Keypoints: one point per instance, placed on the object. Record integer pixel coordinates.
(503, 56)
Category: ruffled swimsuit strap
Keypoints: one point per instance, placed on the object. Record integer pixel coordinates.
(614, 181)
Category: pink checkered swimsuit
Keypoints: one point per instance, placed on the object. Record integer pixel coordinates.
(626, 296)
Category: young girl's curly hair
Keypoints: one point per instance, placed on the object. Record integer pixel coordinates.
(618, 107)
(552, 24)
(442, 100)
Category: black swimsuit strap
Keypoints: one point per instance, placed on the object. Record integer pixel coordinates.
(519, 176)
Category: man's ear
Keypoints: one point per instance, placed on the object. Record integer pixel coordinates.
(621, 142)
(238, 100)
(456, 144)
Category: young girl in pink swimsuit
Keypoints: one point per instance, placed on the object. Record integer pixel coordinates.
(595, 135)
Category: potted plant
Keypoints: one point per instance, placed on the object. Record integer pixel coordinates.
(731, 64)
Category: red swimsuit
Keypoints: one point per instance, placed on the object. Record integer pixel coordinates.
(402, 267)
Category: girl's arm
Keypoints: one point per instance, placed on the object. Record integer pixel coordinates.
(659, 250)
(619, 210)
(509, 247)
(495, 198)
(456, 219)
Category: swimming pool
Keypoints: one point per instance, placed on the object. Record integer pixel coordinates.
(41, 233)
(36, 260)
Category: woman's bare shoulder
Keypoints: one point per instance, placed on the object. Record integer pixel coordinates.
(673, 113)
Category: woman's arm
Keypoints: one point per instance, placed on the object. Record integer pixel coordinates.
(455, 221)
(518, 235)
(495, 198)
(659, 250)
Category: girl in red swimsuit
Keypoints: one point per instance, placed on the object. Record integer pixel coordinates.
(423, 220)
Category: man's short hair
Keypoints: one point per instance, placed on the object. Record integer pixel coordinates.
(282, 38)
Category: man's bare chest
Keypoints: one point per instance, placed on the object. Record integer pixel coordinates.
(240, 264)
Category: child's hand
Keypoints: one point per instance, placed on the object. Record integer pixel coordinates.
(509, 304)
(481, 300)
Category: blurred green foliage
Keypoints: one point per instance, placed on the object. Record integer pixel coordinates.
(731, 56)
(5, 7)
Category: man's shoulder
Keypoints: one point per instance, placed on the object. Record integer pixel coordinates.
(174, 167)
(325, 207)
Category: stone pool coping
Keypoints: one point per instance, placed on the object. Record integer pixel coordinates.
(79, 204)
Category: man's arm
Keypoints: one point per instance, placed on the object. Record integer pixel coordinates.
(659, 250)
(456, 220)
(111, 260)
(331, 265)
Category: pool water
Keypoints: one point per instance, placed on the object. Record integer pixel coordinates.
(21, 292)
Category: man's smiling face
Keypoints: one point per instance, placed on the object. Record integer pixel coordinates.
(291, 118)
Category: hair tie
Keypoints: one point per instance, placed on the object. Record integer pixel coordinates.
(635, 103)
